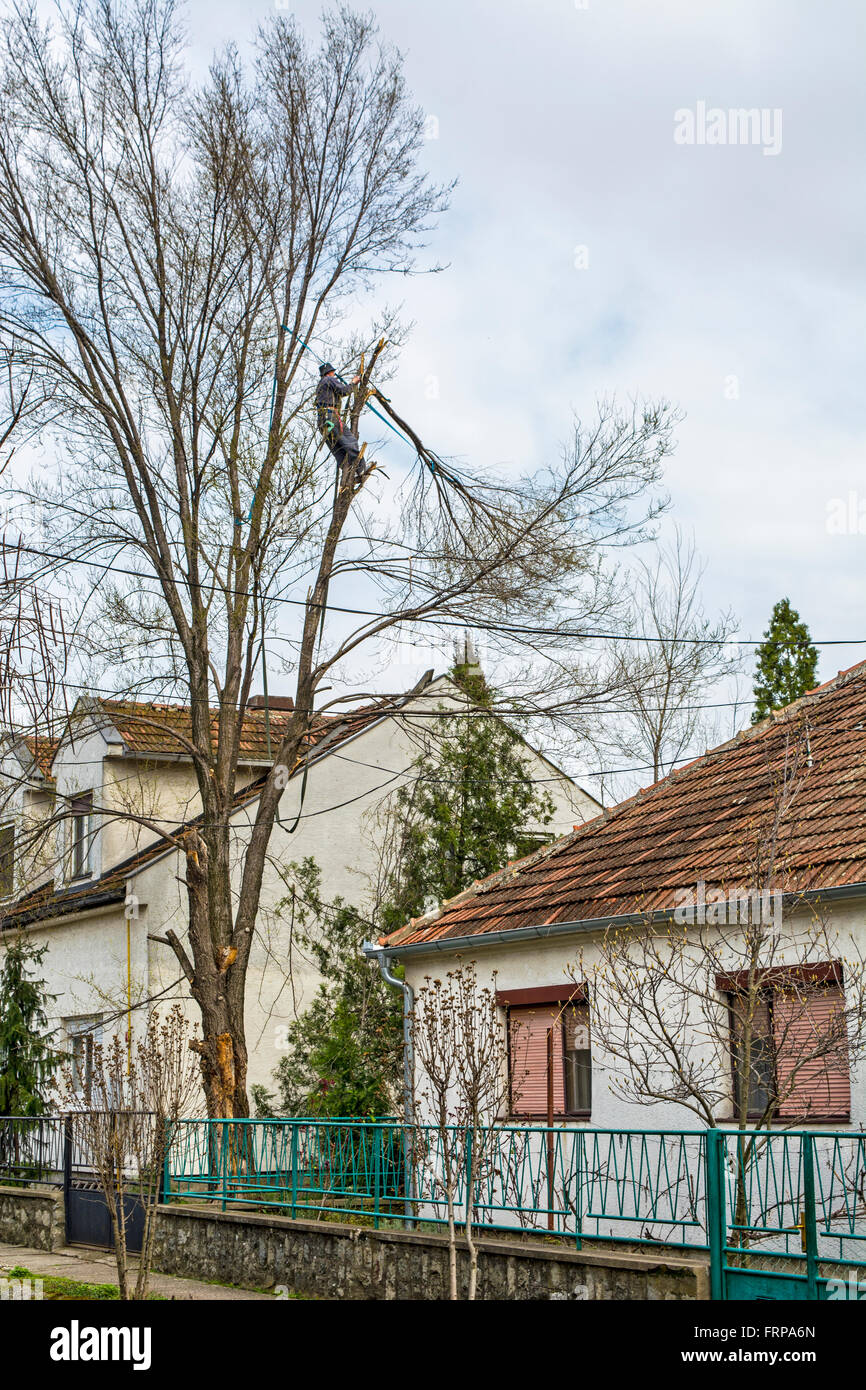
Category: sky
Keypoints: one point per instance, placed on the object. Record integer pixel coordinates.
(603, 241)
(589, 252)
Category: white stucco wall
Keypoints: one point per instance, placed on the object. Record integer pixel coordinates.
(542, 964)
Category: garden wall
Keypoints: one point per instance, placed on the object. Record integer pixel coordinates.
(332, 1261)
(327, 1260)
(32, 1216)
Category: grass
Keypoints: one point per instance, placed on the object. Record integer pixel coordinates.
(56, 1287)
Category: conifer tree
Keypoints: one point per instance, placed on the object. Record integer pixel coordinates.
(27, 1058)
(469, 806)
(787, 662)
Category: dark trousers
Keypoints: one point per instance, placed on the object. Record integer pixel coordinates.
(343, 445)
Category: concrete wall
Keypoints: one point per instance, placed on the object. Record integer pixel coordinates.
(334, 1261)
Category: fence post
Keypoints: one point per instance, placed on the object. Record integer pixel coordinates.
(377, 1175)
(225, 1158)
(578, 1196)
(67, 1170)
(469, 1193)
(166, 1168)
(294, 1168)
(715, 1208)
(810, 1230)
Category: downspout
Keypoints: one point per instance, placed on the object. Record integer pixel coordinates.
(374, 952)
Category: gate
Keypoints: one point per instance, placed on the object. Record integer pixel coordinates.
(785, 1215)
(88, 1218)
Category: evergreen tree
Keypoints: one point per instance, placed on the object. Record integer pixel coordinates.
(27, 1058)
(345, 1051)
(463, 814)
(787, 662)
(467, 809)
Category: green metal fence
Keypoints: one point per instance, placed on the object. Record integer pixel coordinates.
(642, 1186)
(786, 1213)
(780, 1214)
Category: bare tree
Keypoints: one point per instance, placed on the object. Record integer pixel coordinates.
(33, 643)
(125, 1123)
(671, 656)
(462, 1090)
(174, 253)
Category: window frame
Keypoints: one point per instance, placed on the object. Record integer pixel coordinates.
(7, 826)
(767, 995)
(86, 1029)
(828, 975)
(80, 845)
(519, 999)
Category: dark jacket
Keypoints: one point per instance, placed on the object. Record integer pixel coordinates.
(328, 392)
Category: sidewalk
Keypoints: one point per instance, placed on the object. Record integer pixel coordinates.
(98, 1267)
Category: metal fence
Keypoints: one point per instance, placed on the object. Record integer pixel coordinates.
(608, 1184)
(32, 1150)
(781, 1214)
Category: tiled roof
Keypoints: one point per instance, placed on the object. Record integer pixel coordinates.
(157, 728)
(704, 821)
(46, 901)
(42, 751)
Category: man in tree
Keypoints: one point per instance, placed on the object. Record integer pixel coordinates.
(341, 442)
(787, 662)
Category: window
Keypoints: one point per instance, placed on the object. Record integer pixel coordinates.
(799, 1050)
(81, 808)
(753, 1073)
(548, 1041)
(83, 1034)
(7, 860)
(578, 1062)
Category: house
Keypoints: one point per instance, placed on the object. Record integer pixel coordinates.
(103, 880)
(770, 827)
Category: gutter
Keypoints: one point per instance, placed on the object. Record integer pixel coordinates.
(587, 925)
(374, 952)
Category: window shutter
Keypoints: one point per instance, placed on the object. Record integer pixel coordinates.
(7, 860)
(820, 1087)
(527, 1038)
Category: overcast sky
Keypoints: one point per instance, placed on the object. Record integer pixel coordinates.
(591, 252)
(727, 279)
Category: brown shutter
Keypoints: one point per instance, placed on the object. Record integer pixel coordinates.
(527, 1044)
(820, 1087)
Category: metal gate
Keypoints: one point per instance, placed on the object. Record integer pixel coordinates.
(88, 1218)
(785, 1215)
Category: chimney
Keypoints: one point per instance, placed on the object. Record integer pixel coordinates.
(284, 702)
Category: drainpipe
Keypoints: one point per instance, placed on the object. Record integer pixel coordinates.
(374, 952)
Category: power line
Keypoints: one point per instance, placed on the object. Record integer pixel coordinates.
(517, 629)
(498, 712)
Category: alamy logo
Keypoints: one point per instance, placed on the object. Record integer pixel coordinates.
(713, 907)
(21, 1290)
(77, 1343)
(736, 126)
(850, 1290)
